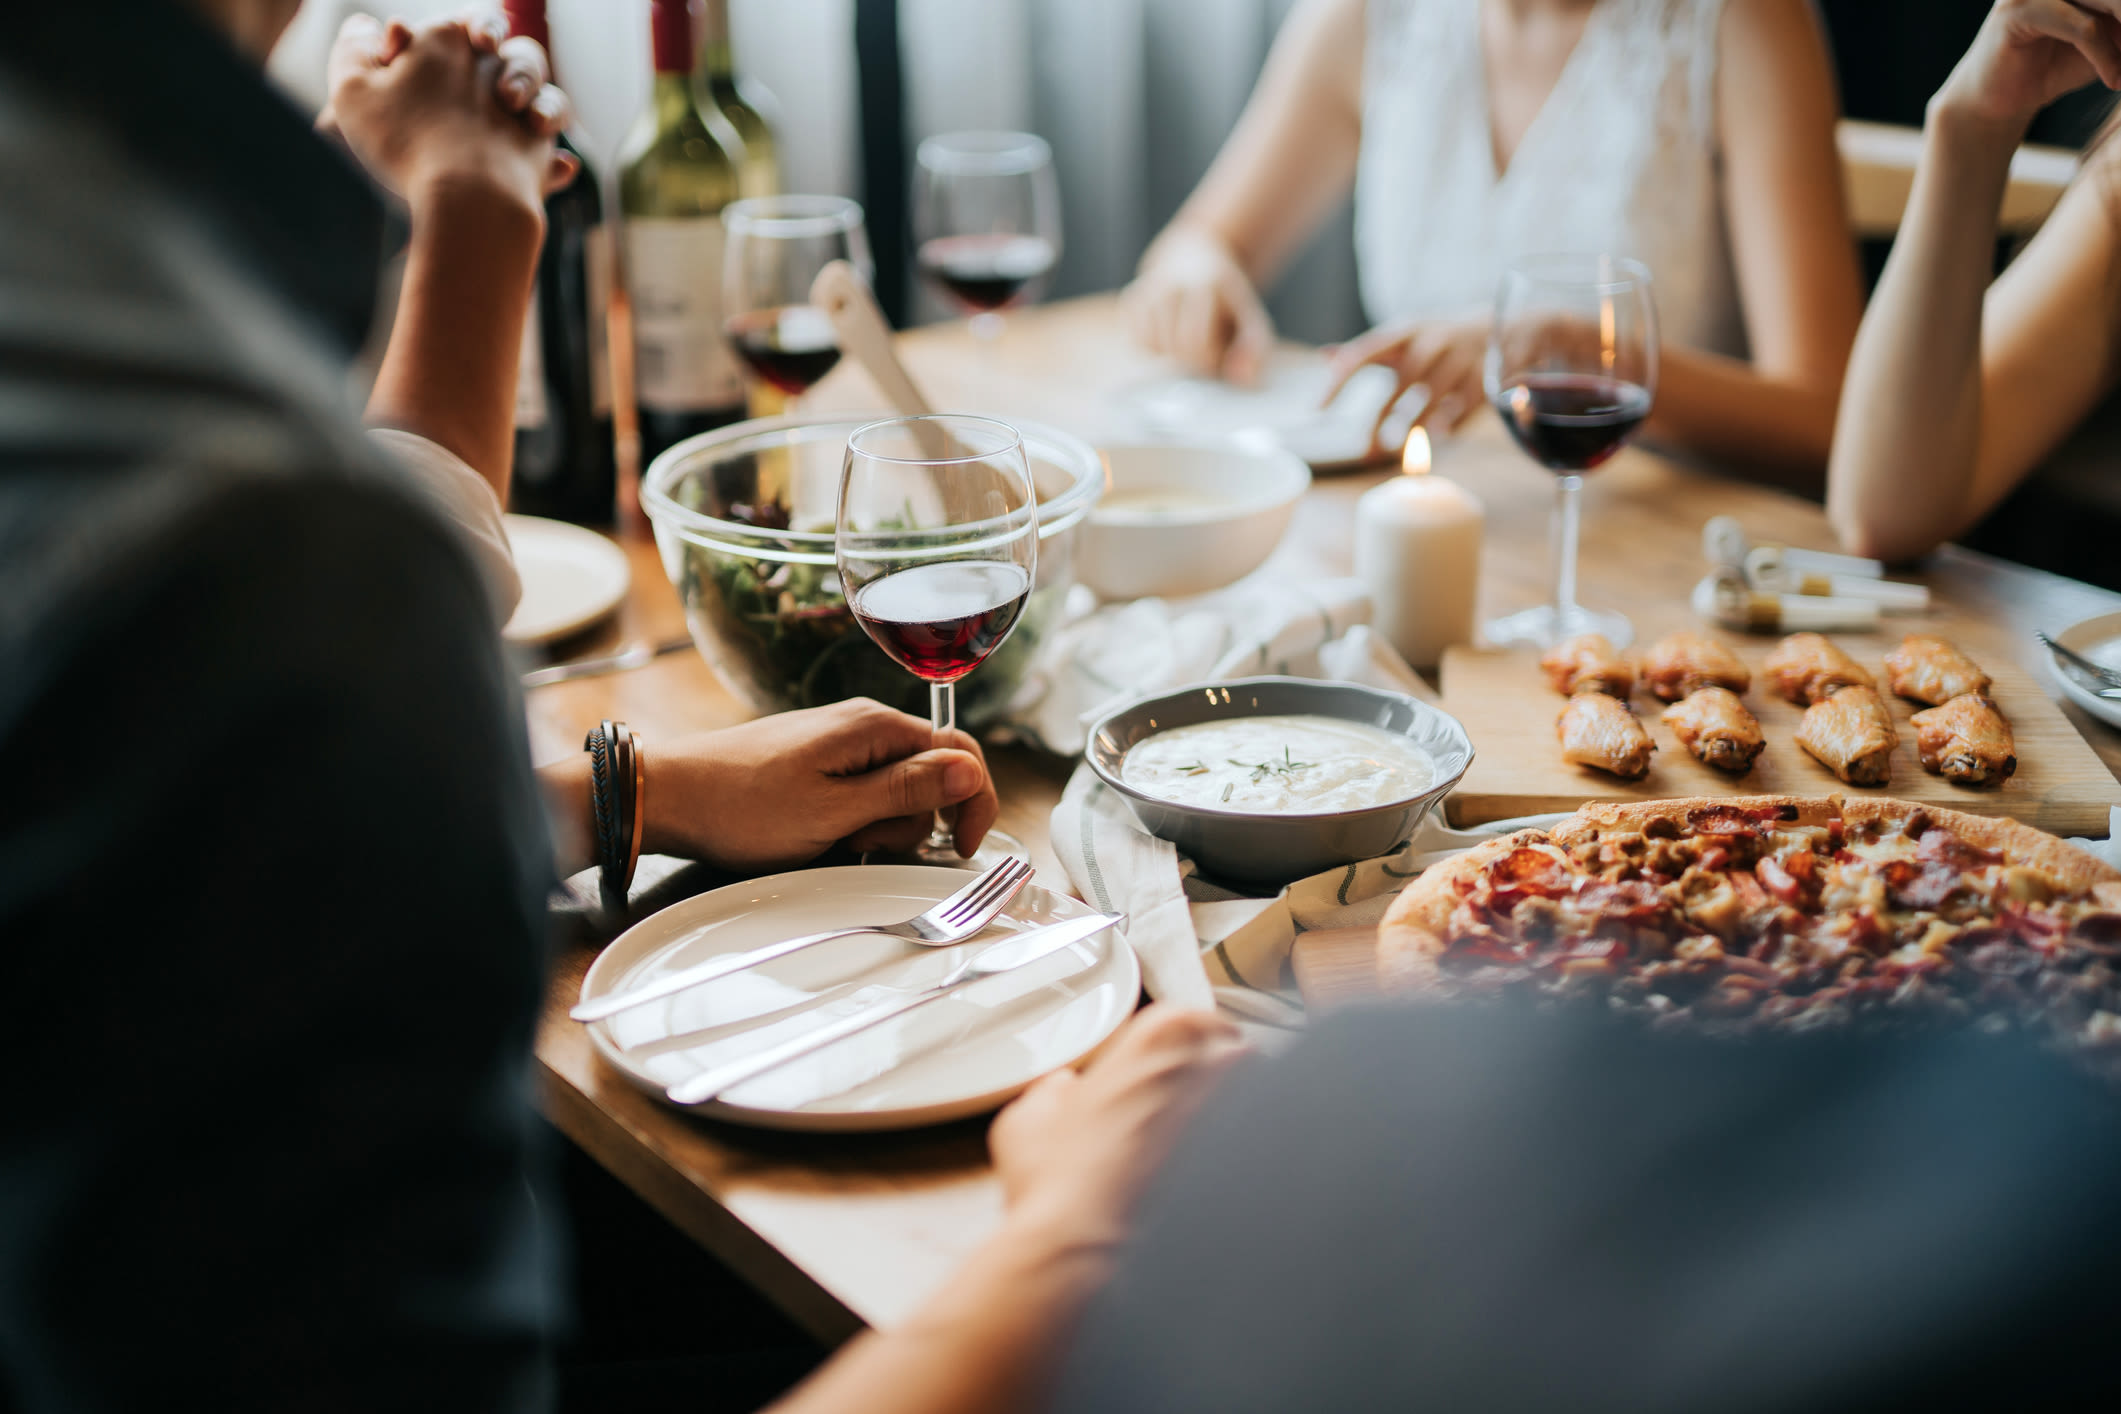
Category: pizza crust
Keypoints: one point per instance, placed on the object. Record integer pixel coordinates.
(1412, 935)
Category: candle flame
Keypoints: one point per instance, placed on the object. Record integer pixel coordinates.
(1415, 458)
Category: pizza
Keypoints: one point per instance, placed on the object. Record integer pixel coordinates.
(1735, 915)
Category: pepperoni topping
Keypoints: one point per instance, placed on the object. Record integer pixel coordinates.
(1525, 870)
(1727, 820)
(1629, 901)
(1923, 886)
(1780, 881)
(1941, 846)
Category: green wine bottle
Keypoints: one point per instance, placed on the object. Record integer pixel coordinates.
(744, 102)
(682, 165)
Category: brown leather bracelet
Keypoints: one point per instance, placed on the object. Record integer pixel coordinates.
(640, 795)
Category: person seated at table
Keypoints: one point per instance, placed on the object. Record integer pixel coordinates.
(1960, 383)
(1694, 135)
(1471, 1209)
(274, 868)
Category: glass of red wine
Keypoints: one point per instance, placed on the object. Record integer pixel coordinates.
(773, 248)
(1572, 372)
(937, 543)
(986, 212)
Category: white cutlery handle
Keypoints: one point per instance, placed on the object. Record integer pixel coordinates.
(710, 1083)
(706, 971)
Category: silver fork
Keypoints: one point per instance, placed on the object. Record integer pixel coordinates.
(2083, 664)
(953, 920)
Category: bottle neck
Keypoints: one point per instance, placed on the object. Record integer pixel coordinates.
(673, 98)
(717, 58)
(671, 25)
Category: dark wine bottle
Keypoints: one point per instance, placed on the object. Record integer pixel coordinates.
(681, 168)
(565, 459)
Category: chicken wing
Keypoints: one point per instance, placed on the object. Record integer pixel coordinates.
(1682, 663)
(1852, 735)
(1717, 728)
(1808, 666)
(1966, 740)
(1601, 731)
(1931, 670)
(1589, 663)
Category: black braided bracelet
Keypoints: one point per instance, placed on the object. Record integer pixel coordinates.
(603, 814)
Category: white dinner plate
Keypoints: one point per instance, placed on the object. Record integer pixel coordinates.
(2098, 639)
(1284, 408)
(963, 1055)
(571, 578)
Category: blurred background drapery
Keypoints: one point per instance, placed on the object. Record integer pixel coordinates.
(1134, 95)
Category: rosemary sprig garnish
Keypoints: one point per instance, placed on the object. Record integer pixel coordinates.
(1284, 768)
(1193, 769)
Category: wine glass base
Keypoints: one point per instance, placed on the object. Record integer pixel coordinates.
(1544, 626)
(996, 847)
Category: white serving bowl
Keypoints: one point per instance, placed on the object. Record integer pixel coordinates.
(1179, 520)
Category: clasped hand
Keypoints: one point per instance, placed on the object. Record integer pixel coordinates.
(448, 105)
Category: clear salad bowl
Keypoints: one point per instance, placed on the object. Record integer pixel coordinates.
(743, 521)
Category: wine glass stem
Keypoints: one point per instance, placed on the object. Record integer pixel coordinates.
(986, 326)
(942, 716)
(1567, 517)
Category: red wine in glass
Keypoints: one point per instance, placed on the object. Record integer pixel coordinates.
(940, 621)
(1571, 422)
(985, 272)
(790, 347)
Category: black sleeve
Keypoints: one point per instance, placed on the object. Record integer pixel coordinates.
(272, 883)
(1445, 1210)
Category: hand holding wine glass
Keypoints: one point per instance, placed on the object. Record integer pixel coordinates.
(986, 211)
(776, 246)
(937, 543)
(1572, 371)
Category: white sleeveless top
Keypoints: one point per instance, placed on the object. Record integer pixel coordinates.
(1623, 158)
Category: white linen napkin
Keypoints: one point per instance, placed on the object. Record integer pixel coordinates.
(1102, 657)
(2108, 849)
(1204, 945)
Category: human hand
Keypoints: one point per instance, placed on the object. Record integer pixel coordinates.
(783, 789)
(1075, 1150)
(2029, 53)
(451, 104)
(1445, 356)
(1193, 301)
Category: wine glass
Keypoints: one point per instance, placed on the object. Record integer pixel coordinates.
(775, 246)
(1572, 371)
(986, 212)
(937, 542)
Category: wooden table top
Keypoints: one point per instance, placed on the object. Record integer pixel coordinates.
(842, 1231)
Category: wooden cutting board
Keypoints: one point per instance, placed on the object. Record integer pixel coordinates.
(1503, 699)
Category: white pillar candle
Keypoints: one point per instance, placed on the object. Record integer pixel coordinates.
(1417, 547)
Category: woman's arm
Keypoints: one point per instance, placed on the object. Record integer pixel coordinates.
(460, 124)
(1790, 245)
(1073, 1153)
(1290, 156)
(1956, 388)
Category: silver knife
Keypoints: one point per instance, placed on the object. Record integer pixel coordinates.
(1019, 951)
(634, 655)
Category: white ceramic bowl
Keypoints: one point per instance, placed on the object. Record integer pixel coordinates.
(1179, 520)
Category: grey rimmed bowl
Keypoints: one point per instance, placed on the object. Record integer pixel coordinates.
(1274, 849)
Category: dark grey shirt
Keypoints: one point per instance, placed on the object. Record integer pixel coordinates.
(1445, 1210)
(272, 869)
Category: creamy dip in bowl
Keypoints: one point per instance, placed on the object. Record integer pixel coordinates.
(1264, 780)
(1279, 765)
